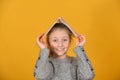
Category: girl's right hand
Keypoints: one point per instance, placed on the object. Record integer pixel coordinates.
(41, 42)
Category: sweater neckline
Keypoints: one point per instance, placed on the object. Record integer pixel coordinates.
(65, 60)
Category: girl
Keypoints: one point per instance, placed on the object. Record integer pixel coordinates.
(54, 64)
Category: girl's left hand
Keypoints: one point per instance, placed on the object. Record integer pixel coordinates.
(80, 40)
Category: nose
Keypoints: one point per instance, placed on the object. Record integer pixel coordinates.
(60, 43)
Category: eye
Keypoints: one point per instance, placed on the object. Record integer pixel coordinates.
(54, 40)
(65, 40)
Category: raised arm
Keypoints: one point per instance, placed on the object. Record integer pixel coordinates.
(43, 69)
(84, 69)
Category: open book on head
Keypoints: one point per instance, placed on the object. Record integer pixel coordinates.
(60, 20)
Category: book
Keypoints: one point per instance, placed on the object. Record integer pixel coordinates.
(60, 20)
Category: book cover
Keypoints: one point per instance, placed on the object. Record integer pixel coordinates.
(60, 20)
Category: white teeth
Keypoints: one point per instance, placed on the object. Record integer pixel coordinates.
(60, 49)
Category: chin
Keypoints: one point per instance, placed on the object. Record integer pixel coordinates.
(60, 53)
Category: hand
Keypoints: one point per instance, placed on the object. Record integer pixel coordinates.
(41, 42)
(80, 40)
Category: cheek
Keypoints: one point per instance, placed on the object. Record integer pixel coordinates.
(67, 44)
(52, 45)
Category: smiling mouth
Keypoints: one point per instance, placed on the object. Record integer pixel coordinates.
(60, 49)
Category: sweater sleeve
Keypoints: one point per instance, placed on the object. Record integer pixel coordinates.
(84, 69)
(43, 69)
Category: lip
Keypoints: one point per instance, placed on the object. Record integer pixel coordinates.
(60, 50)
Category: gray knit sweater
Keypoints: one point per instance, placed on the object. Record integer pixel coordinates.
(70, 68)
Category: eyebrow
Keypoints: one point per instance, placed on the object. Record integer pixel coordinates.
(65, 37)
(62, 37)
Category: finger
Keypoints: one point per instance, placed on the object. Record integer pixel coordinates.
(83, 38)
(79, 37)
(76, 34)
(77, 41)
(39, 37)
(43, 40)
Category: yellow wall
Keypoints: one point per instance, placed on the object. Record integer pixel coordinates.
(22, 20)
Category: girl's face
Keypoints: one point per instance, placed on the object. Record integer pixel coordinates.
(59, 42)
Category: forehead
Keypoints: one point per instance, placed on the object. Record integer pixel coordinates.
(59, 33)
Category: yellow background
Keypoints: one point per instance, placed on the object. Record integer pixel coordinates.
(22, 20)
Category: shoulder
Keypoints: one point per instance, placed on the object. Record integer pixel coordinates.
(73, 60)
